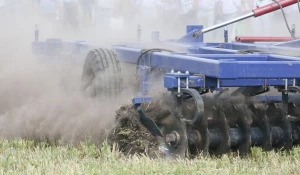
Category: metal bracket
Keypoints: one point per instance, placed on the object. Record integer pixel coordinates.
(148, 123)
(198, 104)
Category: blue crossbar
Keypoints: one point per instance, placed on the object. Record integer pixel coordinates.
(230, 67)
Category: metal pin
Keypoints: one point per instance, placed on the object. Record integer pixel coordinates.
(294, 82)
(225, 34)
(187, 79)
(187, 82)
(178, 86)
(178, 83)
(218, 83)
(265, 84)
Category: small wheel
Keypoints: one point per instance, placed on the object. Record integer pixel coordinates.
(101, 74)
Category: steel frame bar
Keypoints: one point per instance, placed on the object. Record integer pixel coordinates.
(229, 68)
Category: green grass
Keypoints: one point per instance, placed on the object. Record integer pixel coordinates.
(26, 157)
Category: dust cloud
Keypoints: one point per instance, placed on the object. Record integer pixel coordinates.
(43, 101)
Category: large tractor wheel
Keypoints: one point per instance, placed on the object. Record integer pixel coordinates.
(101, 76)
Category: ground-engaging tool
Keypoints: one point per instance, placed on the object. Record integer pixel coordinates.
(222, 96)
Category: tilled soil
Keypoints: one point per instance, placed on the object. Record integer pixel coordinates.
(131, 136)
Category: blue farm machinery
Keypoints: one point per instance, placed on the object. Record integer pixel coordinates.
(219, 97)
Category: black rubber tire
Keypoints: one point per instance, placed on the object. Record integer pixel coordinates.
(101, 75)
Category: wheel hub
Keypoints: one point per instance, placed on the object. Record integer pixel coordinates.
(173, 139)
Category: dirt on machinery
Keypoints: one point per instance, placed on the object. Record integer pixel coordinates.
(131, 136)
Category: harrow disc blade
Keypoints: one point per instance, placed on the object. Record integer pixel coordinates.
(174, 143)
(229, 121)
(168, 129)
(164, 123)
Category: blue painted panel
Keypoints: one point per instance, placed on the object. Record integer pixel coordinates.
(126, 54)
(237, 57)
(172, 82)
(260, 98)
(282, 58)
(210, 50)
(197, 82)
(173, 61)
(186, 63)
(267, 48)
(140, 100)
(250, 82)
(57, 47)
(178, 75)
(239, 46)
(189, 36)
(268, 69)
(229, 69)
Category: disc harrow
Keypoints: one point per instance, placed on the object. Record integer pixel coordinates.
(224, 123)
(220, 97)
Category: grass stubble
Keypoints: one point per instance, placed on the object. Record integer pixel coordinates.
(22, 156)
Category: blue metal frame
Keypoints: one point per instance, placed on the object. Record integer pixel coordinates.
(212, 65)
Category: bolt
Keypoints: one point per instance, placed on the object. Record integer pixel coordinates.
(173, 139)
(170, 138)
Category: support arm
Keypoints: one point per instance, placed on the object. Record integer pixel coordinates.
(255, 13)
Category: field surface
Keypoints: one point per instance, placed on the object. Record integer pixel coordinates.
(26, 157)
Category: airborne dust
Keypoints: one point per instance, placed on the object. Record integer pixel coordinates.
(43, 101)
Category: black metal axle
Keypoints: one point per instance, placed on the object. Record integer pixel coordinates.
(236, 136)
